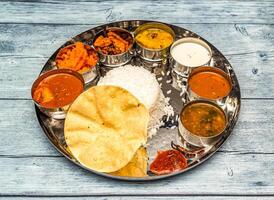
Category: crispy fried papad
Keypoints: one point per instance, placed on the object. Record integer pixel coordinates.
(137, 167)
(104, 127)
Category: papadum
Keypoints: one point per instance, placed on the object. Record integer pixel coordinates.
(137, 167)
(104, 128)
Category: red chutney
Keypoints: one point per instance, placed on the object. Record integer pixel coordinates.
(168, 162)
(58, 90)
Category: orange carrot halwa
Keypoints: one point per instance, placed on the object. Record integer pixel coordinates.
(78, 57)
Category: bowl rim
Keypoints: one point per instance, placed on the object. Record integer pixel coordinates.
(50, 73)
(215, 70)
(193, 39)
(205, 102)
(113, 28)
(161, 26)
(71, 46)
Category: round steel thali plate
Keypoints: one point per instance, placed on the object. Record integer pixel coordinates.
(168, 132)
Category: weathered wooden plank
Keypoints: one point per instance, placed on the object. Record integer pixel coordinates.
(83, 12)
(21, 135)
(145, 197)
(226, 174)
(36, 40)
(254, 71)
(25, 48)
(245, 165)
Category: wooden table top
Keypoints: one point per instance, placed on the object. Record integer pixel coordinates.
(30, 31)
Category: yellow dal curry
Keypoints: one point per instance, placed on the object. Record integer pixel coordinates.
(154, 38)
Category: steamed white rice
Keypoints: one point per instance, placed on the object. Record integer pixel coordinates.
(137, 80)
(144, 86)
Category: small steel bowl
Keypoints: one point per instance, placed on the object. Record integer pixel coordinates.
(153, 54)
(193, 96)
(196, 140)
(56, 113)
(181, 68)
(118, 59)
(89, 75)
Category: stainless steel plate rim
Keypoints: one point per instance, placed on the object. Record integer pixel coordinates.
(125, 178)
(148, 178)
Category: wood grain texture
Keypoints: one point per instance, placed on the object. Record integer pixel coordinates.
(186, 11)
(38, 40)
(30, 31)
(22, 136)
(25, 49)
(225, 174)
(254, 72)
(161, 197)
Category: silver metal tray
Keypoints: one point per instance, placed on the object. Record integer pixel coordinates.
(167, 133)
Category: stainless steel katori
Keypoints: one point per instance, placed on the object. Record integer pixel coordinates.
(184, 69)
(119, 59)
(191, 95)
(153, 54)
(89, 75)
(169, 132)
(194, 139)
(55, 113)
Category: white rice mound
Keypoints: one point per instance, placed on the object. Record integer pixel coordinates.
(161, 108)
(144, 86)
(137, 80)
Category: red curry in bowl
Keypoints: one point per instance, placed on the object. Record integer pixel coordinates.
(57, 88)
(209, 83)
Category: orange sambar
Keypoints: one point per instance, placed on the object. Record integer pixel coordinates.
(209, 84)
(57, 90)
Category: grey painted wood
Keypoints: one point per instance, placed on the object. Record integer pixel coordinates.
(82, 12)
(25, 49)
(30, 31)
(39, 40)
(254, 71)
(142, 197)
(21, 135)
(225, 174)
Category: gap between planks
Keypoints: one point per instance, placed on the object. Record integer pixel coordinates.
(243, 98)
(45, 57)
(61, 156)
(143, 195)
(99, 24)
(48, 11)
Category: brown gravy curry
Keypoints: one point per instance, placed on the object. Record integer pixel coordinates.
(203, 119)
